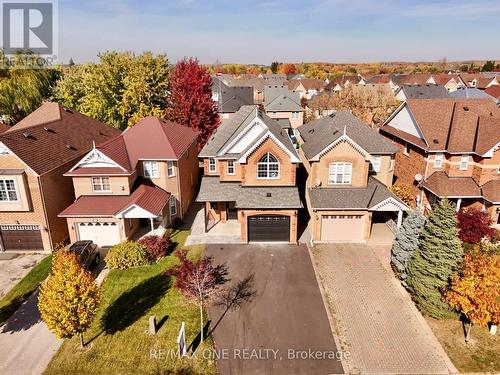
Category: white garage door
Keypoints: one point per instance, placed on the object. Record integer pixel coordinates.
(102, 234)
(342, 228)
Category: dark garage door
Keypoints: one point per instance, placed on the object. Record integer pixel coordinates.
(269, 228)
(21, 237)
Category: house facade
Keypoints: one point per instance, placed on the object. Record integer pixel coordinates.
(306, 87)
(139, 181)
(249, 178)
(283, 105)
(34, 155)
(349, 170)
(449, 148)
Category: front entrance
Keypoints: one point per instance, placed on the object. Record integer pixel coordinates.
(232, 211)
(21, 237)
(102, 234)
(269, 228)
(337, 228)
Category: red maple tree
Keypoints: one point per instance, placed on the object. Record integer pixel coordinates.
(474, 225)
(190, 100)
(288, 69)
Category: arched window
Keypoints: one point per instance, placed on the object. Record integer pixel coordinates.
(268, 167)
(340, 173)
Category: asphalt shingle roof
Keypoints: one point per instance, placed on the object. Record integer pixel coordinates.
(427, 91)
(281, 99)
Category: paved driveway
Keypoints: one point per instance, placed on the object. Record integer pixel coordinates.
(14, 266)
(286, 313)
(377, 321)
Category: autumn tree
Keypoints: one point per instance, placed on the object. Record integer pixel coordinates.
(288, 69)
(198, 280)
(474, 225)
(190, 101)
(274, 67)
(69, 298)
(436, 259)
(404, 192)
(119, 90)
(475, 290)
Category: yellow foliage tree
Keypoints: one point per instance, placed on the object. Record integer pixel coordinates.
(69, 298)
(475, 291)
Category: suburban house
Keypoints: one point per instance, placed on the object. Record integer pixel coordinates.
(350, 168)
(449, 148)
(451, 82)
(343, 81)
(283, 105)
(135, 183)
(34, 155)
(306, 87)
(230, 99)
(426, 91)
(257, 85)
(249, 182)
(471, 93)
(479, 81)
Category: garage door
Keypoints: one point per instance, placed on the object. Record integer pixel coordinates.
(342, 228)
(102, 234)
(269, 228)
(21, 237)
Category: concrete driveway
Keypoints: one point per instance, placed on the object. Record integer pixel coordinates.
(14, 266)
(284, 328)
(375, 317)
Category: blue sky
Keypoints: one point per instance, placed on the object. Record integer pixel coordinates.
(261, 31)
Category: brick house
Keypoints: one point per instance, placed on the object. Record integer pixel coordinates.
(135, 183)
(249, 178)
(306, 87)
(283, 105)
(449, 148)
(34, 155)
(349, 170)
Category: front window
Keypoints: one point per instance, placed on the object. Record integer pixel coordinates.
(8, 191)
(101, 184)
(212, 165)
(230, 167)
(340, 173)
(375, 163)
(172, 206)
(464, 162)
(268, 167)
(405, 149)
(438, 160)
(150, 169)
(170, 168)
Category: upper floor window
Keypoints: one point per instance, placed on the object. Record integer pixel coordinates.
(212, 165)
(8, 192)
(464, 162)
(172, 205)
(295, 114)
(170, 168)
(405, 149)
(438, 160)
(268, 167)
(391, 165)
(340, 173)
(101, 184)
(150, 169)
(230, 167)
(376, 163)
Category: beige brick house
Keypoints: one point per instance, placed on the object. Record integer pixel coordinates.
(139, 181)
(249, 178)
(349, 170)
(449, 148)
(34, 154)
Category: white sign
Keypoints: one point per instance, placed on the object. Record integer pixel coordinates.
(181, 341)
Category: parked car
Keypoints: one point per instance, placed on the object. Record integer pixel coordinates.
(87, 251)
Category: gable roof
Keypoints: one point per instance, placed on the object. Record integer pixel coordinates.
(232, 128)
(470, 93)
(444, 78)
(281, 99)
(63, 134)
(319, 134)
(493, 91)
(342, 80)
(308, 83)
(231, 99)
(426, 91)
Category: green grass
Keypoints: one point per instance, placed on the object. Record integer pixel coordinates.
(24, 288)
(119, 343)
(481, 354)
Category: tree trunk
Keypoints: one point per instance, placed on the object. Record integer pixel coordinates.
(468, 332)
(201, 324)
(81, 341)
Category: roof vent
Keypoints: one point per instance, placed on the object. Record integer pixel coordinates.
(435, 140)
(28, 135)
(310, 131)
(466, 109)
(71, 147)
(49, 130)
(66, 109)
(268, 195)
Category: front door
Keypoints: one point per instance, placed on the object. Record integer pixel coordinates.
(232, 212)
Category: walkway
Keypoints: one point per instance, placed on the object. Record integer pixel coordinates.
(376, 319)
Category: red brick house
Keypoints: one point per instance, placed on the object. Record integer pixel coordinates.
(34, 155)
(449, 148)
(145, 177)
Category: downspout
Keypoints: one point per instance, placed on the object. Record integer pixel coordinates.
(39, 178)
(425, 179)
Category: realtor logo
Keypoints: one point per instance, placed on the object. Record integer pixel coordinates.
(29, 27)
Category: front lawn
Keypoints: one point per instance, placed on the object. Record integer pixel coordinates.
(24, 288)
(119, 343)
(481, 354)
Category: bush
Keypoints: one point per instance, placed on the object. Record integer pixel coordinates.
(405, 193)
(127, 254)
(156, 246)
(474, 225)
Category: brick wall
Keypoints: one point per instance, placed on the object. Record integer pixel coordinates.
(407, 166)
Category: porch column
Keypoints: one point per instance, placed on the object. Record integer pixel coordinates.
(400, 218)
(459, 202)
(152, 225)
